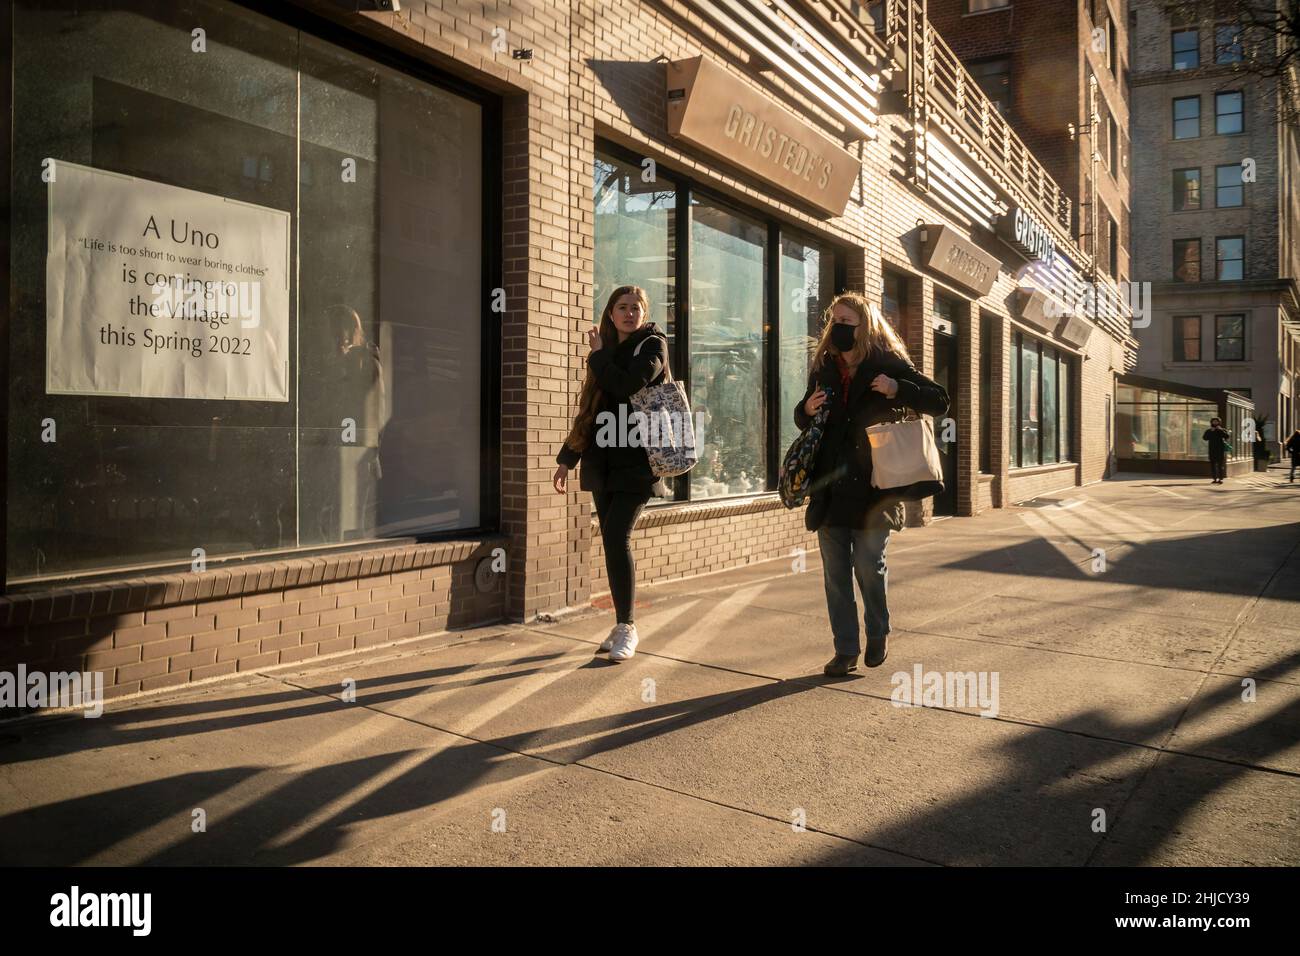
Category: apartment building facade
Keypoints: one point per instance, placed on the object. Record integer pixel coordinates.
(1058, 70)
(436, 201)
(1216, 212)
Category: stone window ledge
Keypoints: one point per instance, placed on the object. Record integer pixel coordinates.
(706, 509)
(71, 600)
(1041, 469)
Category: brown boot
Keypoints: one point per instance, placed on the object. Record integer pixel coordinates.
(840, 665)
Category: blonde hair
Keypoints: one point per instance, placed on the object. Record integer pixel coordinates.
(589, 398)
(872, 334)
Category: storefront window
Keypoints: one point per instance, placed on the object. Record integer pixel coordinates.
(1049, 406)
(807, 286)
(893, 297)
(728, 307)
(636, 237)
(1040, 403)
(751, 282)
(370, 358)
(1029, 403)
(1157, 424)
(1013, 403)
(1064, 407)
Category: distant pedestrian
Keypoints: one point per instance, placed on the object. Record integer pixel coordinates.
(1218, 437)
(1293, 446)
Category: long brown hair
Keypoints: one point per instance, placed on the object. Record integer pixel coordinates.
(590, 396)
(873, 332)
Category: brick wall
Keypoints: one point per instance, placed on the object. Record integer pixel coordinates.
(152, 633)
(665, 548)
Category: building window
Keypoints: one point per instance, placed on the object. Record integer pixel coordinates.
(893, 298)
(1187, 338)
(988, 328)
(1228, 111)
(1013, 402)
(1229, 338)
(757, 293)
(978, 6)
(384, 306)
(807, 285)
(1187, 260)
(994, 78)
(728, 305)
(1112, 146)
(1187, 117)
(1155, 424)
(1187, 190)
(1227, 44)
(1186, 49)
(1228, 186)
(1112, 236)
(636, 233)
(1229, 256)
(1112, 54)
(1040, 405)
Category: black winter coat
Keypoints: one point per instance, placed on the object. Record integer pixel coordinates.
(842, 493)
(620, 375)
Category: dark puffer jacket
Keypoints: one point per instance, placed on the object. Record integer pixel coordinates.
(842, 494)
(620, 375)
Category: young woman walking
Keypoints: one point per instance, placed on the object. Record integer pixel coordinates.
(627, 354)
(861, 359)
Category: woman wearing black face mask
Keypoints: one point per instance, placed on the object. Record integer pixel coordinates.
(863, 361)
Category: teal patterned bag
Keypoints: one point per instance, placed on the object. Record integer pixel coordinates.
(797, 466)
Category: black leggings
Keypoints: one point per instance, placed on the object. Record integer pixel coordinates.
(617, 511)
(1218, 467)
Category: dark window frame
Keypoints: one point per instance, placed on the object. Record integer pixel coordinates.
(1240, 186)
(1220, 338)
(1218, 259)
(1200, 261)
(1220, 114)
(1185, 207)
(1195, 48)
(1220, 47)
(687, 189)
(1186, 119)
(1064, 456)
(491, 271)
(1181, 338)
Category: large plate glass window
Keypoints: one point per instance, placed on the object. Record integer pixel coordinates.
(380, 177)
(728, 291)
(807, 286)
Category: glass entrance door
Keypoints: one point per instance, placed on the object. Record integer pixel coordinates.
(945, 374)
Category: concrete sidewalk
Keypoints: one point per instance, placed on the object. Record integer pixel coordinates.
(1120, 695)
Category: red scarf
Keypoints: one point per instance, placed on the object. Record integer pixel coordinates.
(846, 377)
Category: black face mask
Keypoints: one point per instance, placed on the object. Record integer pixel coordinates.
(843, 336)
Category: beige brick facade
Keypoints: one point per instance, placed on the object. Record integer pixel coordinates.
(595, 73)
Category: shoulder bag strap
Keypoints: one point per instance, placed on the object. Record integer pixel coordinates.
(668, 372)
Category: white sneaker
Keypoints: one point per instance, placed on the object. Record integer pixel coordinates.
(624, 643)
(607, 644)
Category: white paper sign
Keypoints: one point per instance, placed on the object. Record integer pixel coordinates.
(153, 291)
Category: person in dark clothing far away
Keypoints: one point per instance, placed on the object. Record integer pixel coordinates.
(627, 354)
(862, 360)
(1292, 445)
(1218, 437)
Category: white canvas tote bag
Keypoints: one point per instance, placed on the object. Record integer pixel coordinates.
(903, 453)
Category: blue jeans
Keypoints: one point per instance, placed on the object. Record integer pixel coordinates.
(847, 553)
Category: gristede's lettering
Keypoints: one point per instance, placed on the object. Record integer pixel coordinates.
(767, 141)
